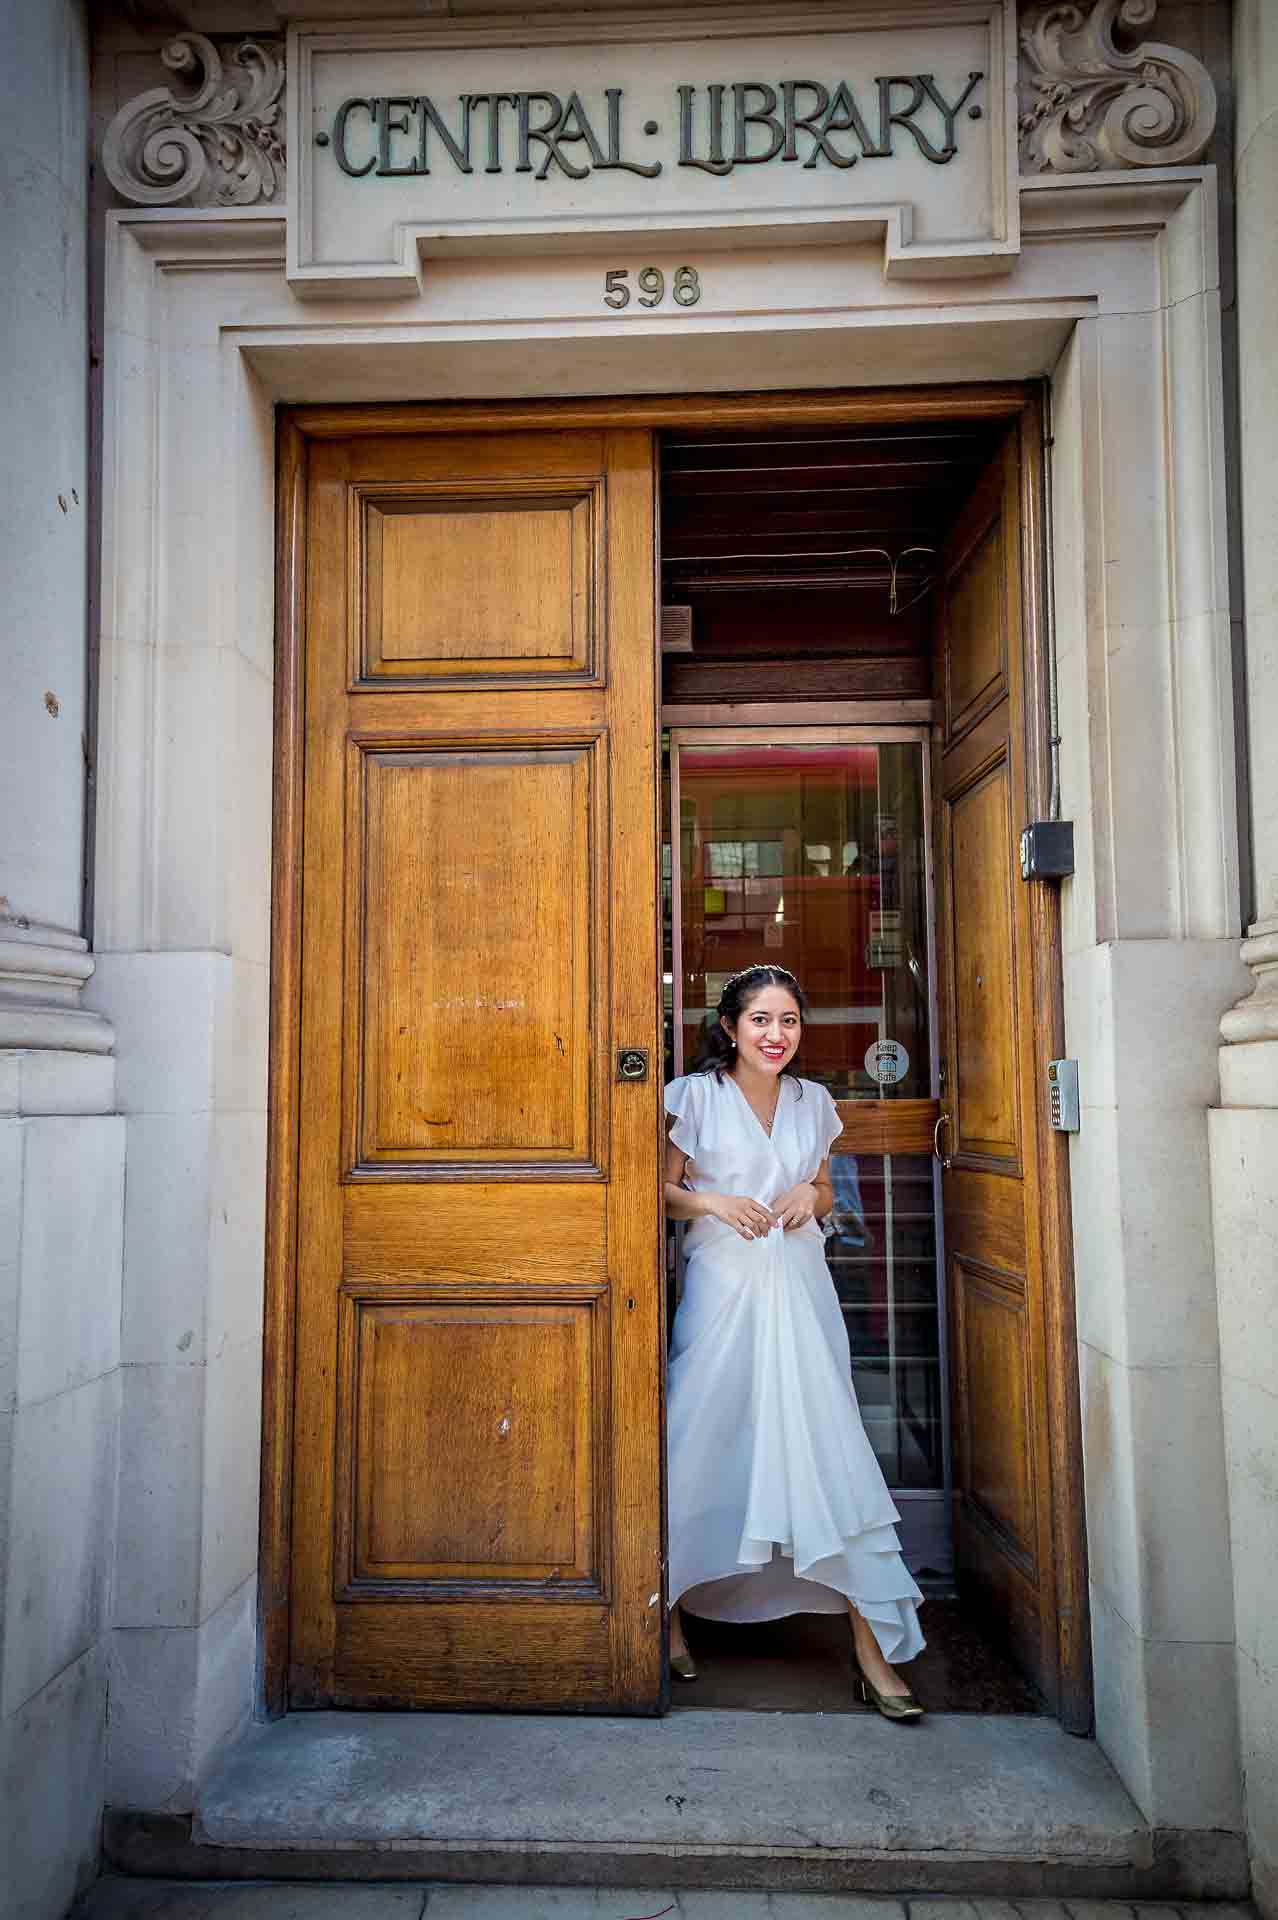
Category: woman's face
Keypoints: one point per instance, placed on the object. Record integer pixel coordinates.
(768, 1030)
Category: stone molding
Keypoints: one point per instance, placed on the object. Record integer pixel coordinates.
(220, 144)
(1088, 105)
(1256, 1017)
(42, 971)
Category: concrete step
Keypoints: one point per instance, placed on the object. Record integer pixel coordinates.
(959, 1803)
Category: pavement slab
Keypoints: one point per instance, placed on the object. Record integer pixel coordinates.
(1011, 1787)
(114, 1898)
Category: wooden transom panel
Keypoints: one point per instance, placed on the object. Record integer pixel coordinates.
(468, 1428)
(986, 1104)
(998, 1451)
(472, 904)
(976, 627)
(482, 582)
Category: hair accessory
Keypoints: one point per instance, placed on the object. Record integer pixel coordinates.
(757, 966)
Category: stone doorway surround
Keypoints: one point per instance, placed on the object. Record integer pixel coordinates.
(1115, 295)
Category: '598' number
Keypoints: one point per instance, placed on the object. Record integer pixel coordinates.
(651, 281)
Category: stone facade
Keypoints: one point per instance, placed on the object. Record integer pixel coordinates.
(1244, 1128)
(131, 1317)
(61, 1140)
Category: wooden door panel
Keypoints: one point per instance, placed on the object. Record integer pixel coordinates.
(975, 615)
(443, 1655)
(992, 1190)
(886, 1126)
(467, 1047)
(989, 1207)
(477, 1406)
(467, 1435)
(983, 947)
(396, 1232)
(461, 581)
(994, 1356)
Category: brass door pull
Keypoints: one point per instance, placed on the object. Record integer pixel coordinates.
(942, 1120)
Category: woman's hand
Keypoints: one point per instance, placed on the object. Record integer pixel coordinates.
(747, 1217)
(797, 1207)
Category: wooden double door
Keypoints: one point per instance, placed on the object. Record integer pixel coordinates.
(463, 1483)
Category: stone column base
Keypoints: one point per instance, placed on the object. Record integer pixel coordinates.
(1256, 1017)
(42, 971)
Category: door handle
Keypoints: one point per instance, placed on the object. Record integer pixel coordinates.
(942, 1120)
(632, 1063)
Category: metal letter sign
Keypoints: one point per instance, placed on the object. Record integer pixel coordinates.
(418, 137)
(544, 131)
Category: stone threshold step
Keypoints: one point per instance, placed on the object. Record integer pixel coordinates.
(960, 1803)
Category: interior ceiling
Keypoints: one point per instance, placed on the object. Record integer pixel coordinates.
(813, 508)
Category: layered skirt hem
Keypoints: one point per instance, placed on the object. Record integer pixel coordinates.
(777, 1502)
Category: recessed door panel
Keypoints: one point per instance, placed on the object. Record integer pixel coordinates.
(994, 1357)
(983, 944)
(975, 612)
(477, 1404)
(478, 581)
(470, 868)
(470, 1429)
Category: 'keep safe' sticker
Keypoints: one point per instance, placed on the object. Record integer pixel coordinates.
(886, 1062)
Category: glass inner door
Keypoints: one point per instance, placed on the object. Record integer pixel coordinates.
(809, 849)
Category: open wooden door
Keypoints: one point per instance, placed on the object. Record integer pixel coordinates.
(1017, 1511)
(476, 1506)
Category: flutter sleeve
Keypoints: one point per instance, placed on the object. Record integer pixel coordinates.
(684, 1104)
(830, 1126)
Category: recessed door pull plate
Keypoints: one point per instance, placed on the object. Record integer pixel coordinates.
(632, 1063)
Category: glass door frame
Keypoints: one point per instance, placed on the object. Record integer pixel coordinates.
(814, 733)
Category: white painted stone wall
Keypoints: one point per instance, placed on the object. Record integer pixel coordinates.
(61, 1147)
(1117, 291)
(1143, 633)
(1244, 1130)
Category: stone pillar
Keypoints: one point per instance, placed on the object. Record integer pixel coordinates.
(61, 1145)
(44, 508)
(1244, 1129)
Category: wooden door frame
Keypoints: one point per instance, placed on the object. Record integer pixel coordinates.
(297, 427)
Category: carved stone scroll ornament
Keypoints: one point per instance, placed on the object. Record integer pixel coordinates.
(1086, 104)
(219, 142)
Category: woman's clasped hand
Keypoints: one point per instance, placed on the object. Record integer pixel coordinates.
(797, 1205)
(751, 1219)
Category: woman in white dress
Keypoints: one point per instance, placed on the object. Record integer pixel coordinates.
(777, 1503)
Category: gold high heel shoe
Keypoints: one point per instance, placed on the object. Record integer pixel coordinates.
(683, 1665)
(893, 1706)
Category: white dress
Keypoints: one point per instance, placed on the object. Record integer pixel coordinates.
(777, 1503)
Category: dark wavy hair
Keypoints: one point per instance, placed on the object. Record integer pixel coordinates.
(718, 1049)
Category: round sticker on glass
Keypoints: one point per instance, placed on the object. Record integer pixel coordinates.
(886, 1062)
